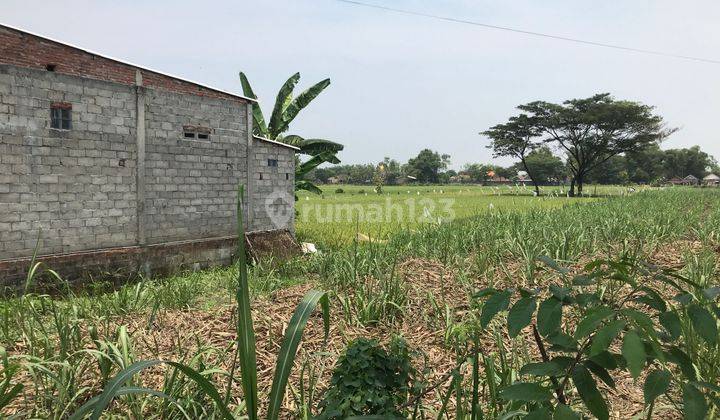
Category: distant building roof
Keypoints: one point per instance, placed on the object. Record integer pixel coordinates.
(712, 177)
(691, 178)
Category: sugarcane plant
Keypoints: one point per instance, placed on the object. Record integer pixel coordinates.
(285, 110)
(611, 317)
(245, 355)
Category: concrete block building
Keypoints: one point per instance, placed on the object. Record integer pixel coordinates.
(114, 169)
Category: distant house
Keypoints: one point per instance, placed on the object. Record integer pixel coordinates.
(339, 179)
(711, 180)
(676, 181)
(691, 180)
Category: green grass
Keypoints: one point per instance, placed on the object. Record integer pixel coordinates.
(61, 340)
(331, 220)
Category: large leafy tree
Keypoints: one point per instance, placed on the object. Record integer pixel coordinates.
(593, 130)
(684, 162)
(516, 138)
(284, 111)
(426, 166)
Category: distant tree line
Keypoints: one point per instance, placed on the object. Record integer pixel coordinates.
(597, 139)
(651, 165)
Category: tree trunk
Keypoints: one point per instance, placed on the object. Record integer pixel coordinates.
(580, 185)
(534, 181)
(571, 192)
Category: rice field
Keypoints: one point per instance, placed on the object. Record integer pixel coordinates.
(430, 285)
(332, 220)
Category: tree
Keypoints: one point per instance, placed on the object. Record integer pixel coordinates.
(284, 112)
(543, 165)
(426, 166)
(516, 138)
(592, 130)
(684, 162)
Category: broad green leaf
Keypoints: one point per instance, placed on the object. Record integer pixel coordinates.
(549, 316)
(671, 322)
(282, 101)
(495, 303)
(259, 128)
(589, 393)
(683, 361)
(563, 341)
(542, 369)
(292, 338)
(562, 293)
(712, 292)
(520, 315)
(541, 413)
(703, 323)
(526, 392)
(694, 404)
(591, 321)
(563, 412)
(600, 372)
(300, 102)
(633, 350)
(307, 186)
(656, 384)
(605, 336)
(608, 360)
(488, 291)
(316, 146)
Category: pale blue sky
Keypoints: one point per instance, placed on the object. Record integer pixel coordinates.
(402, 83)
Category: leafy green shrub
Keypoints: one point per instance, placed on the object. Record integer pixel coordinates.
(361, 191)
(577, 322)
(339, 191)
(369, 380)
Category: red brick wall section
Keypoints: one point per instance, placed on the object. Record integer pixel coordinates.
(26, 50)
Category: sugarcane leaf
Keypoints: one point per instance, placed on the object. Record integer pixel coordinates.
(290, 343)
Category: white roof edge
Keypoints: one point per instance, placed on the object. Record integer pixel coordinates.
(127, 63)
(278, 143)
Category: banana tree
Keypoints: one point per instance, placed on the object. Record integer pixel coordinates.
(285, 110)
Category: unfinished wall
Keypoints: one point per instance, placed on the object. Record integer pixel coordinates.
(273, 186)
(74, 189)
(191, 185)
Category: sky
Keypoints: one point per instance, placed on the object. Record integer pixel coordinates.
(402, 83)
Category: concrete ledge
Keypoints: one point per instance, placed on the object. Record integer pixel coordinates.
(122, 264)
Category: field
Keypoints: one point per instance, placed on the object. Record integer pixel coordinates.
(334, 218)
(438, 284)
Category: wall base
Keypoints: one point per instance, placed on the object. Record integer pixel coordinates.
(120, 265)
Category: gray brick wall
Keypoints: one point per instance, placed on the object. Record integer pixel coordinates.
(273, 187)
(68, 185)
(79, 187)
(191, 185)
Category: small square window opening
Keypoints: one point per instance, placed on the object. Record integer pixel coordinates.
(60, 116)
(196, 132)
(272, 162)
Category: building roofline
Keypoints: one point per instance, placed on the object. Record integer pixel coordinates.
(277, 143)
(127, 63)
